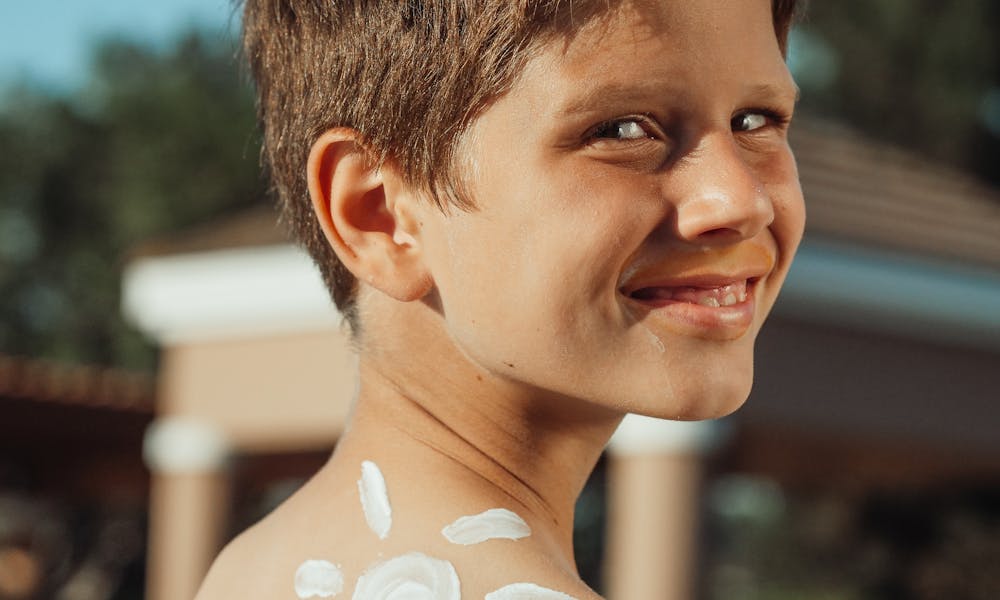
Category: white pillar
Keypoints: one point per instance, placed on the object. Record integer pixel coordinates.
(654, 481)
(188, 504)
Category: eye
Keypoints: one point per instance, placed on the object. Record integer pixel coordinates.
(758, 118)
(635, 141)
(621, 129)
(749, 121)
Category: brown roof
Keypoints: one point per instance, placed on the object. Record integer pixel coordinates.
(861, 191)
(33, 380)
(257, 226)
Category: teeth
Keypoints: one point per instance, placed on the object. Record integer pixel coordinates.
(724, 295)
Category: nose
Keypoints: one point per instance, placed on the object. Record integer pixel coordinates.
(719, 199)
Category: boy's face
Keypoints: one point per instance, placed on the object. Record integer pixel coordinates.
(638, 208)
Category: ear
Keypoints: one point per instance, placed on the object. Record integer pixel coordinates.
(366, 213)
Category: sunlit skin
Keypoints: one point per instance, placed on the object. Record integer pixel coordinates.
(628, 170)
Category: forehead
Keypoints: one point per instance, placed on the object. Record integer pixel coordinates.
(662, 46)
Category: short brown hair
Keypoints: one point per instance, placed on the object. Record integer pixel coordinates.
(409, 77)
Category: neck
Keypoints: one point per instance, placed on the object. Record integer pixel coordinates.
(493, 439)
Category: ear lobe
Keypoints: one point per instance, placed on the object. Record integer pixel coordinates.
(365, 224)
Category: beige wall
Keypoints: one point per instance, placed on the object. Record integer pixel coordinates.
(280, 393)
(268, 394)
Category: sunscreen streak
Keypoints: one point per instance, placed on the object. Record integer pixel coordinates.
(318, 579)
(526, 591)
(655, 339)
(412, 575)
(495, 523)
(375, 499)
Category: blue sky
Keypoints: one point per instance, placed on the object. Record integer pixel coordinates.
(48, 41)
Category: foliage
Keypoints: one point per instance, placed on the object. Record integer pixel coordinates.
(155, 141)
(914, 543)
(918, 73)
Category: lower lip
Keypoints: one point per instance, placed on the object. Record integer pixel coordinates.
(717, 323)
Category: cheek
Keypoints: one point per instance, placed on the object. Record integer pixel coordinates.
(789, 217)
(480, 274)
(504, 279)
(525, 292)
(781, 178)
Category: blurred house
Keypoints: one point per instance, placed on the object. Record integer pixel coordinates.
(73, 487)
(878, 368)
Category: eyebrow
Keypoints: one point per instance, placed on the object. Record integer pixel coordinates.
(610, 93)
(771, 90)
(614, 93)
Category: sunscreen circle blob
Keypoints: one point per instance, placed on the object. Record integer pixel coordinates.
(495, 523)
(318, 579)
(375, 499)
(412, 576)
(526, 591)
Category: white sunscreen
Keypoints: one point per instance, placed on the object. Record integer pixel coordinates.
(492, 524)
(375, 499)
(412, 576)
(318, 579)
(656, 340)
(526, 591)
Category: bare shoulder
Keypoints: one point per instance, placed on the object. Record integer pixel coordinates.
(315, 526)
(516, 571)
(256, 564)
(272, 560)
(331, 539)
(225, 578)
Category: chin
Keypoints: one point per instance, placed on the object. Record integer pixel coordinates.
(709, 396)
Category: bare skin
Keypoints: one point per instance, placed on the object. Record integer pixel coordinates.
(501, 347)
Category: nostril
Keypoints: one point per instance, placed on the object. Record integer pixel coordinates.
(720, 234)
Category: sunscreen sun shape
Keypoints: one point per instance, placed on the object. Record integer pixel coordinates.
(318, 579)
(495, 523)
(526, 591)
(375, 499)
(412, 576)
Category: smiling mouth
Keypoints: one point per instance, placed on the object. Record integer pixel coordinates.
(729, 294)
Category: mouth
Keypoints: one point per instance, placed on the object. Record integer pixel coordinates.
(710, 296)
(712, 310)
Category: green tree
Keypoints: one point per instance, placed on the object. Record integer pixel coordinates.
(919, 73)
(155, 141)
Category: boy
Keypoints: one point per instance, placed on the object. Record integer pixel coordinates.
(537, 216)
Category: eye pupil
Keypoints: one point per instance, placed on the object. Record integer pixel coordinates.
(748, 121)
(621, 130)
(629, 130)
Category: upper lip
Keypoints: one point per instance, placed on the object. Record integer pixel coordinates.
(704, 269)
